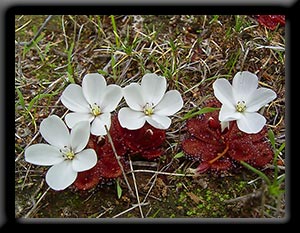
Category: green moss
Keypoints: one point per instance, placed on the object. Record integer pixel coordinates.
(211, 201)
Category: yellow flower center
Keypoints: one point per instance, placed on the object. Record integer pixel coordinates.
(68, 153)
(148, 109)
(95, 109)
(241, 106)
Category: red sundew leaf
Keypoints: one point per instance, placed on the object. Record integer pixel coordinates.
(203, 167)
(107, 148)
(241, 150)
(214, 103)
(145, 138)
(221, 165)
(258, 137)
(271, 21)
(152, 154)
(95, 142)
(262, 155)
(234, 133)
(199, 150)
(199, 128)
(88, 179)
(108, 166)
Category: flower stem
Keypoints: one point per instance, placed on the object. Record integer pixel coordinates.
(219, 155)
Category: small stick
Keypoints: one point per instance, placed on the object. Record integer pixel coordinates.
(151, 187)
(37, 134)
(136, 189)
(37, 34)
(36, 204)
(131, 208)
(118, 160)
(162, 173)
(255, 194)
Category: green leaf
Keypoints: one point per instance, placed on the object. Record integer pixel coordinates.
(281, 147)
(102, 72)
(119, 189)
(179, 155)
(271, 137)
(192, 113)
(70, 67)
(21, 98)
(114, 25)
(258, 172)
(38, 97)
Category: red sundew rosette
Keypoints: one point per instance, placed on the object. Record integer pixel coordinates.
(271, 21)
(218, 150)
(145, 141)
(205, 144)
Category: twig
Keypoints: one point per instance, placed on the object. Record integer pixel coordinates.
(105, 211)
(131, 208)
(162, 173)
(31, 141)
(256, 194)
(119, 162)
(25, 178)
(36, 135)
(64, 31)
(37, 34)
(36, 204)
(151, 187)
(136, 189)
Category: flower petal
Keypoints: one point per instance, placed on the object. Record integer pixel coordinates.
(159, 122)
(73, 99)
(153, 88)
(260, 98)
(84, 160)
(93, 87)
(131, 119)
(244, 84)
(55, 132)
(170, 104)
(228, 113)
(223, 92)
(98, 125)
(224, 125)
(134, 97)
(43, 155)
(61, 175)
(251, 122)
(111, 98)
(73, 118)
(80, 135)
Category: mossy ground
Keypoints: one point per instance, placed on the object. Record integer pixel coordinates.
(191, 51)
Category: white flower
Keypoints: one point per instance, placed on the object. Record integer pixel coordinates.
(242, 100)
(65, 154)
(94, 102)
(149, 102)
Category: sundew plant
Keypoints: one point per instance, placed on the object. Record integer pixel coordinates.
(150, 116)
